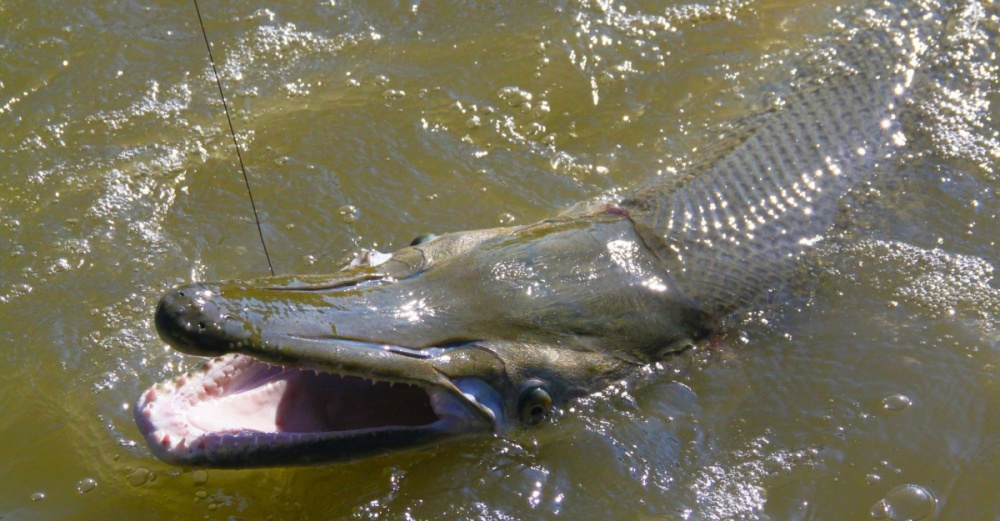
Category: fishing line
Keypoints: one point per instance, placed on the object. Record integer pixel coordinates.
(232, 132)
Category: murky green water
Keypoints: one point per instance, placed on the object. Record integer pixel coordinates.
(874, 393)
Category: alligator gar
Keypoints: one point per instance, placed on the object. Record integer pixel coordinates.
(479, 331)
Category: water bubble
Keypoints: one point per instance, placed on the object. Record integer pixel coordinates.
(506, 218)
(137, 477)
(895, 402)
(382, 80)
(514, 96)
(348, 213)
(872, 478)
(86, 485)
(393, 94)
(534, 129)
(905, 503)
(473, 123)
(38, 496)
(60, 266)
(541, 109)
(199, 477)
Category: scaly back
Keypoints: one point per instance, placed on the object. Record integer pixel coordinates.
(733, 225)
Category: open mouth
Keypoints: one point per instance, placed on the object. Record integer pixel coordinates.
(239, 411)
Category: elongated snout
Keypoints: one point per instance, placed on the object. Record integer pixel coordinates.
(189, 319)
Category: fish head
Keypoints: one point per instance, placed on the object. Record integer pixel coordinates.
(472, 332)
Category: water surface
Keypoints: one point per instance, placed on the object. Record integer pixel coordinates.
(870, 390)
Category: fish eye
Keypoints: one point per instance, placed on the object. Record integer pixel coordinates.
(422, 238)
(535, 403)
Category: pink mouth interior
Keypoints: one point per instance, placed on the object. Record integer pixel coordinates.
(240, 395)
(304, 401)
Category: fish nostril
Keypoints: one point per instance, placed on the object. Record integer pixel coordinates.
(201, 325)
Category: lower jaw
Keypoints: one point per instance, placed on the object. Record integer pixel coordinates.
(302, 424)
